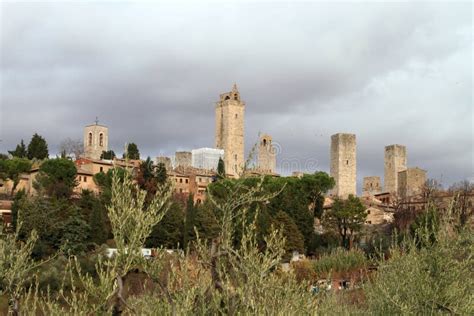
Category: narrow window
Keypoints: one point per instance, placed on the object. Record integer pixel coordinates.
(236, 115)
(347, 162)
(187, 180)
(180, 180)
(101, 140)
(85, 179)
(90, 139)
(101, 169)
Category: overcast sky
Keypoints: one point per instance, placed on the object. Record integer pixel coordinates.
(388, 72)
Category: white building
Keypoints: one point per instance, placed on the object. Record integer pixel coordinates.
(206, 158)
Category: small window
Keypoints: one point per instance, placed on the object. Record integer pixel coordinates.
(264, 142)
(200, 179)
(85, 179)
(347, 162)
(227, 98)
(175, 180)
(369, 222)
(368, 211)
(180, 190)
(236, 97)
(236, 115)
(101, 169)
(181, 180)
(90, 139)
(101, 140)
(186, 180)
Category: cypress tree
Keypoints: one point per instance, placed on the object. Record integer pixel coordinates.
(37, 148)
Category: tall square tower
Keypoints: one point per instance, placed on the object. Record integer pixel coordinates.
(343, 164)
(230, 112)
(96, 140)
(266, 155)
(395, 161)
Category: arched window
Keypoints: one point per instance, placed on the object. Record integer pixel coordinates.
(90, 139)
(236, 97)
(264, 142)
(227, 98)
(101, 139)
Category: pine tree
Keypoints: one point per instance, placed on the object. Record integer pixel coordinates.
(132, 152)
(37, 148)
(294, 238)
(108, 155)
(20, 150)
(161, 174)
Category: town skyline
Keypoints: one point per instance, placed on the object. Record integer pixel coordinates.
(164, 102)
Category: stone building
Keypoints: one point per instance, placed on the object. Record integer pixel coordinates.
(266, 155)
(343, 164)
(183, 159)
(411, 182)
(230, 110)
(371, 185)
(96, 140)
(395, 161)
(164, 160)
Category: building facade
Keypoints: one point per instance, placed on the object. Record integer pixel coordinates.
(96, 140)
(266, 155)
(411, 182)
(229, 132)
(164, 160)
(183, 159)
(343, 164)
(395, 161)
(371, 185)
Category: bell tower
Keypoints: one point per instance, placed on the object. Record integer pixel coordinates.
(230, 110)
(96, 140)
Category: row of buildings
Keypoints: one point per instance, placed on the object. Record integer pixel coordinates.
(192, 171)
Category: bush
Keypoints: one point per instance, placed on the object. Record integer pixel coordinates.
(304, 271)
(429, 273)
(340, 261)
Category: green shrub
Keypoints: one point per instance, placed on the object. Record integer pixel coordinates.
(340, 261)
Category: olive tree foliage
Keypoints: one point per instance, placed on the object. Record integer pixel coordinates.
(435, 278)
(131, 223)
(16, 266)
(221, 278)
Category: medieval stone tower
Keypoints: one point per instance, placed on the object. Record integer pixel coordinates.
(96, 140)
(371, 185)
(230, 112)
(266, 155)
(343, 164)
(394, 162)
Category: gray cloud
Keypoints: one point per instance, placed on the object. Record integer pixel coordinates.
(391, 73)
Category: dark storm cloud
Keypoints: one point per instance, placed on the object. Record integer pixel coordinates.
(391, 73)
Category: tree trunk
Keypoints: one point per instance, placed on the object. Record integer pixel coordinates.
(118, 304)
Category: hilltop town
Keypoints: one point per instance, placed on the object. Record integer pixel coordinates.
(192, 171)
(208, 222)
